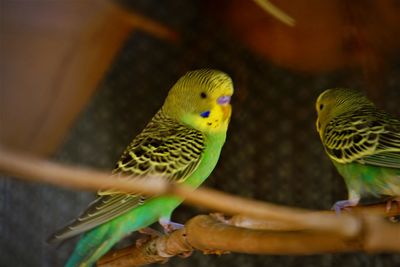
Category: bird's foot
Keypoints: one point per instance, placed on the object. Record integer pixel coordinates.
(150, 232)
(149, 235)
(220, 217)
(185, 254)
(141, 241)
(169, 226)
(390, 202)
(344, 204)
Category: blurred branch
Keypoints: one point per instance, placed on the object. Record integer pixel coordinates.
(145, 24)
(210, 235)
(275, 12)
(34, 169)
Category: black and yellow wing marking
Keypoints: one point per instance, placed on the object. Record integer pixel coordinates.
(164, 148)
(366, 136)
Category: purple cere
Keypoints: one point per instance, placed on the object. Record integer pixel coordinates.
(224, 100)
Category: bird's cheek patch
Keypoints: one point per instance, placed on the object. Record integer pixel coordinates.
(211, 120)
(215, 118)
(205, 114)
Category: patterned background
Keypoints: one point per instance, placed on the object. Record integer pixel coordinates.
(272, 152)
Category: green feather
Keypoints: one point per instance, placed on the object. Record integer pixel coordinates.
(178, 144)
(166, 148)
(362, 141)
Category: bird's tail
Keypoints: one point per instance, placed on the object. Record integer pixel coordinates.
(98, 241)
(92, 246)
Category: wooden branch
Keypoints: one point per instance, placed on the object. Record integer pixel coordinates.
(34, 169)
(210, 235)
(295, 231)
(380, 236)
(159, 249)
(146, 24)
(245, 221)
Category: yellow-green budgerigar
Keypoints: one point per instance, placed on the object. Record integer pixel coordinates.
(363, 143)
(181, 143)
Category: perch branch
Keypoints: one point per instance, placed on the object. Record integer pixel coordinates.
(245, 221)
(35, 169)
(209, 235)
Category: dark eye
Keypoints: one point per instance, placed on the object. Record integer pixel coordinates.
(203, 95)
(321, 106)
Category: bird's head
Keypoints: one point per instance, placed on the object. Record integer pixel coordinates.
(201, 100)
(334, 102)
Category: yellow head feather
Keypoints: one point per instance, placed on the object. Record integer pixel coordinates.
(200, 99)
(334, 102)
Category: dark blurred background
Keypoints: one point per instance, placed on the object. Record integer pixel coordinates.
(80, 100)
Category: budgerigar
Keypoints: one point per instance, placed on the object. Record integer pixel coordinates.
(182, 143)
(362, 142)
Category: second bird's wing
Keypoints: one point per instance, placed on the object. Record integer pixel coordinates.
(366, 136)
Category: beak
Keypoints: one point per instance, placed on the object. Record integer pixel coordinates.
(319, 128)
(223, 102)
(226, 111)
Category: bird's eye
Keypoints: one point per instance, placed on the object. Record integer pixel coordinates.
(203, 95)
(205, 114)
(321, 106)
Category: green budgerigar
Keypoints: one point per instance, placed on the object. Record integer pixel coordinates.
(363, 143)
(181, 143)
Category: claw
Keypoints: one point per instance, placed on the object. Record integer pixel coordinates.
(169, 226)
(389, 204)
(150, 232)
(149, 235)
(343, 204)
(185, 254)
(220, 217)
(141, 241)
